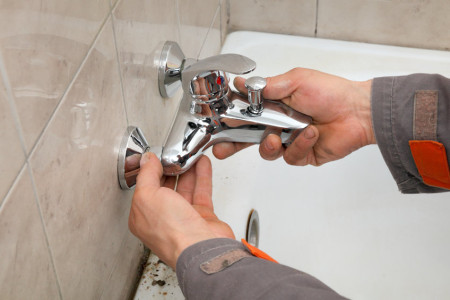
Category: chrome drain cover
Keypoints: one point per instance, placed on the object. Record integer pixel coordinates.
(252, 236)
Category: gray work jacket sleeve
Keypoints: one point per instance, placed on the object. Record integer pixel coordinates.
(234, 273)
(393, 100)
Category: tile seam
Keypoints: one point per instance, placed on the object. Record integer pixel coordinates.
(49, 249)
(317, 18)
(178, 17)
(17, 124)
(13, 185)
(119, 67)
(49, 121)
(69, 86)
(209, 30)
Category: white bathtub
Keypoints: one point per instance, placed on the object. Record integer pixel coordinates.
(345, 222)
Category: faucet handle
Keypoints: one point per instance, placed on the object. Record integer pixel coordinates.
(255, 85)
(231, 63)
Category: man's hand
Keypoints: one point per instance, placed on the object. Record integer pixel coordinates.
(341, 114)
(167, 221)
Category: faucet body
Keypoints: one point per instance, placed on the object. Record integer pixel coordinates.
(210, 113)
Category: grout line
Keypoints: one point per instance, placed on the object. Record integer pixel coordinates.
(178, 17)
(36, 197)
(13, 185)
(119, 67)
(209, 29)
(223, 5)
(12, 105)
(317, 18)
(28, 163)
(69, 86)
(16, 119)
(113, 268)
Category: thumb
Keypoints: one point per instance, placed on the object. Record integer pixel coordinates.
(278, 87)
(150, 172)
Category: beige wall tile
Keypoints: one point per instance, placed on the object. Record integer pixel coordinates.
(196, 17)
(74, 165)
(12, 156)
(26, 271)
(296, 17)
(127, 271)
(213, 41)
(224, 19)
(43, 44)
(141, 28)
(416, 23)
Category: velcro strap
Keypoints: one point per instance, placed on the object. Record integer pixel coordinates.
(223, 261)
(431, 161)
(425, 115)
(429, 155)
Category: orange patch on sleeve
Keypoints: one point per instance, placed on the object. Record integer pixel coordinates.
(431, 161)
(256, 252)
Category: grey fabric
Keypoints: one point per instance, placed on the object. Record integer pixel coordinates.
(392, 115)
(392, 104)
(248, 278)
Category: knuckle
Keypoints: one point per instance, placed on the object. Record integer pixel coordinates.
(138, 197)
(294, 159)
(290, 160)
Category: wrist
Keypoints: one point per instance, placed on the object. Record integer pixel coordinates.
(364, 92)
(185, 242)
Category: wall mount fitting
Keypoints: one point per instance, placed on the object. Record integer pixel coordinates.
(170, 67)
(133, 146)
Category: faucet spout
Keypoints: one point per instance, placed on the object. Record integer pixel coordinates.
(209, 113)
(228, 120)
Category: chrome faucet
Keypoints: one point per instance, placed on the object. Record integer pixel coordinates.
(210, 112)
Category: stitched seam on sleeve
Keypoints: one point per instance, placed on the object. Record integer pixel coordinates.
(396, 154)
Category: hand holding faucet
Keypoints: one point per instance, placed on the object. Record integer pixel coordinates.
(340, 109)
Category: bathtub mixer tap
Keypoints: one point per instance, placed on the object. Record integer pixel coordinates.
(209, 113)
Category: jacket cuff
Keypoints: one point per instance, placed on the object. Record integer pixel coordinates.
(392, 116)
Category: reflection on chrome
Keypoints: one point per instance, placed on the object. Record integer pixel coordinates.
(209, 113)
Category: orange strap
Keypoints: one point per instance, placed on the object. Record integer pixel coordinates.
(431, 161)
(256, 252)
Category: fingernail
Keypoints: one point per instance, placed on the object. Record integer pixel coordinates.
(269, 146)
(309, 133)
(145, 158)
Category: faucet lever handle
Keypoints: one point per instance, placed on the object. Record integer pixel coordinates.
(255, 85)
(231, 63)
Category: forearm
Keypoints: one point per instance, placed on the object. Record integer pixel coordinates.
(206, 271)
(393, 109)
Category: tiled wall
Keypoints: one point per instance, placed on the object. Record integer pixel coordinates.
(73, 76)
(411, 23)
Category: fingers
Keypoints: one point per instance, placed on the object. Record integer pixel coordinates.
(150, 173)
(300, 152)
(281, 86)
(271, 147)
(278, 87)
(196, 184)
(239, 84)
(225, 149)
(186, 184)
(169, 182)
(203, 184)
